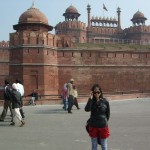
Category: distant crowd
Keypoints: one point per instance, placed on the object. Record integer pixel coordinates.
(70, 96)
(13, 100)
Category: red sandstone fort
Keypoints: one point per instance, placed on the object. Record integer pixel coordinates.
(46, 61)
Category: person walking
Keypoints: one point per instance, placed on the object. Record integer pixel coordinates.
(70, 95)
(7, 101)
(75, 95)
(64, 97)
(100, 113)
(21, 90)
(16, 104)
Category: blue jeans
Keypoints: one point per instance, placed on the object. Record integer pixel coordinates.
(70, 102)
(65, 102)
(95, 143)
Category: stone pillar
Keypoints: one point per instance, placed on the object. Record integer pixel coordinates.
(89, 23)
(119, 19)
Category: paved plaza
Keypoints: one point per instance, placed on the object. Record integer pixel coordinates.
(51, 128)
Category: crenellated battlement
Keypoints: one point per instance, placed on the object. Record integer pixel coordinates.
(139, 29)
(34, 38)
(38, 39)
(84, 57)
(75, 29)
(4, 44)
(71, 24)
(104, 31)
(103, 57)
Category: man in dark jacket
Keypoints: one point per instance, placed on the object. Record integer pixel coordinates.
(16, 104)
(7, 101)
(70, 93)
(21, 90)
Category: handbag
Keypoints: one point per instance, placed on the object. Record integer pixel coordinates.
(87, 129)
(87, 125)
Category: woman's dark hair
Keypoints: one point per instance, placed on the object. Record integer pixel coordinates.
(97, 86)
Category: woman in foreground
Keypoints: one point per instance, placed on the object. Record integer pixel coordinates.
(98, 123)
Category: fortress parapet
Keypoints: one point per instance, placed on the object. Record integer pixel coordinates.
(4, 44)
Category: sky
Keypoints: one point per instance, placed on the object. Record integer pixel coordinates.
(11, 10)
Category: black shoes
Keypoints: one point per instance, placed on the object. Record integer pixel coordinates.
(22, 124)
(12, 124)
(69, 112)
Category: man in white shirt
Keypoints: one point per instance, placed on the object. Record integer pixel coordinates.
(20, 88)
(21, 91)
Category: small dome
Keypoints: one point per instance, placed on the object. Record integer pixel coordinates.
(71, 9)
(33, 15)
(71, 14)
(138, 14)
(138, 18)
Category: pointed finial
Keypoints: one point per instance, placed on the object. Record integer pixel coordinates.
(33, 5)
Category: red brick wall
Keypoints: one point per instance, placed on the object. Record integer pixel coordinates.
(113, 70)
(48, 69)
(4, 65)
(112, 79)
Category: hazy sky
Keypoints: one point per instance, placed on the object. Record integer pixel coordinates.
(10, 11)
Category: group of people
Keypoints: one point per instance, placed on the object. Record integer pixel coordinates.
(13, 100)
(70, 96)
(98, 106)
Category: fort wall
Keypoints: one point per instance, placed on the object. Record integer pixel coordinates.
(72, 25)
(4, 64)
(49, 68)
(141, 28)
(104, 31)
(4, 61)
(140, 33)
(116, 70)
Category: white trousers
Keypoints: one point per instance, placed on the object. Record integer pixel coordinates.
(32, 100)
(17, 118)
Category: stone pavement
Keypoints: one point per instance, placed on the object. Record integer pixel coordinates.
(51, 128)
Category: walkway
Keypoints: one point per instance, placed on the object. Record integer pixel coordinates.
(51, 128)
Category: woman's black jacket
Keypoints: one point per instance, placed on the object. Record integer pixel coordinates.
(100, 112)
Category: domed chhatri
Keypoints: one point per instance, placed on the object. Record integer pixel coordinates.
(138, 18)
(33, 15)
(138, 14)
(71, 13)
(71, 9)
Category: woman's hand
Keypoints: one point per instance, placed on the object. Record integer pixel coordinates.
(91, 94)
